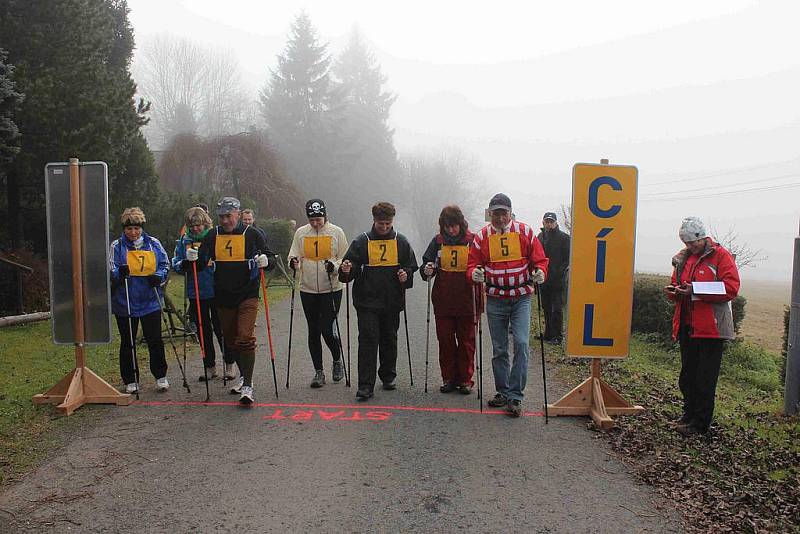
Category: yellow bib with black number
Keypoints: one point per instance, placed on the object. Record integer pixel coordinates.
(454, 258)
(382, 252)
(141, 262)
(318, 248)
(229, 248)
(504, 247)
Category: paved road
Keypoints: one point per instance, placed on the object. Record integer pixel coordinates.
(322, 462)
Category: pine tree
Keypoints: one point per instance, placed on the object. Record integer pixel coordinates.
(72, 63)
(10, 100)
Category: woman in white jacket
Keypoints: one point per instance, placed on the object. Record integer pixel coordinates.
(317, 250)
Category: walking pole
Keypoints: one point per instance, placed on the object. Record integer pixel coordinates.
(339, 335)
(408, 344)
(428, 334)
(133, 340)
(200, 328)
(291, 323)
(541, 340)
(172, 341)
(347, 313)
(269, 331)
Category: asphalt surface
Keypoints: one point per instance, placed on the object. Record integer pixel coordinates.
(316, 460)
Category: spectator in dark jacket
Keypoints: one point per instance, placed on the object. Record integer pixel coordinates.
(556, 248)
(381, 264)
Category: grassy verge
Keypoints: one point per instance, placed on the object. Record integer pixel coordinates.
(29, 364)
(745, 475)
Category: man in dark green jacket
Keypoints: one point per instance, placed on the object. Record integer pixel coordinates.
(556, 247)
(381, 265)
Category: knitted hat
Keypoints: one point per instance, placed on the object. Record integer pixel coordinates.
(315, 208)
(692, 229)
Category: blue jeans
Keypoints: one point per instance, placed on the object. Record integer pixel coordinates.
(509, 379)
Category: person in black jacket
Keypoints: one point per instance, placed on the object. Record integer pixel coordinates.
(381, 265)
(556, 248)
(236, 253)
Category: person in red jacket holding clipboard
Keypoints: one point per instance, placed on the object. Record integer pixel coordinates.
(507, 257)
(704, 282)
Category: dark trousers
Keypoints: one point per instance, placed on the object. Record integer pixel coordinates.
(553, 307)
(321, 310)
(456, 335)
(151, 326)
(700, 363)
(211, 326)
(377, 337)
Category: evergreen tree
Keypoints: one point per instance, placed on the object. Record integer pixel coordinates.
(9, 102)
(72, 61)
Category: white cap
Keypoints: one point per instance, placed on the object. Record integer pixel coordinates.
(692, 229)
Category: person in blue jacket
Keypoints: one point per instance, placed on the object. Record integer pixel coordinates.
(198, 224)
(141, 261)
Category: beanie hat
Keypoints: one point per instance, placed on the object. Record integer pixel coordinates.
(132, 217)
(315, 208)
(692, 229)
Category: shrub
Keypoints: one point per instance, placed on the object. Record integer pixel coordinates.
(750, 364)
(737, 306)
(652, 311)
(280, 233)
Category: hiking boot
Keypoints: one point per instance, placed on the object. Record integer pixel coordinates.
(682, 420)
(514, 408)
(464, 389)
(247, 396)
(162, 384)
(363, 394)
(318, 380)
(447, 388)
(230, 371)
(212, 374)
(498, 401)
(338, 370)
(133, 387)
(236, 388)
(690, 429)
(391, 385)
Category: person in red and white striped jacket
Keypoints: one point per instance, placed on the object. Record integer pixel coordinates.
(507, 258)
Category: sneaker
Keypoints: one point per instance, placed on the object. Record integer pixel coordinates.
(162, 384)
(338, 370)
(498, 401)
(464, 389)
(447, 388)
(236, 388)
(133, 387)
(318, 380)
(230, 371)
(247, 396)
(212, 374)
(514, 408)
(390, 385)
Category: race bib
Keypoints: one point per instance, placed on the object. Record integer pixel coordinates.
(229, 248)
(141, 262)
(504, 247)
(382, 252)
(318, 248)
(454, 258)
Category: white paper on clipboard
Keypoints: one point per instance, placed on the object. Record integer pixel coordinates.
(708, 288)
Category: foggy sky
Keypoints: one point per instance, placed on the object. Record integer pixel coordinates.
(698, 96)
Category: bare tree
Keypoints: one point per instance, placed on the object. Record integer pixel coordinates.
(743, 254)
(566, 217)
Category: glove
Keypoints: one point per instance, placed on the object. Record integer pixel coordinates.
(186, 265)
(328, 266)
(538, 276)
(191, 254)
(124, 271)
(294, 263)
(478, 276)
(262, 261)
(428, 269)
(154, 280)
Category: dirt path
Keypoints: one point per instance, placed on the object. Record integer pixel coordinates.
(321, 462)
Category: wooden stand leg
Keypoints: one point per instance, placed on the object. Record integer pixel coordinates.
(595, 398)
(78, 387)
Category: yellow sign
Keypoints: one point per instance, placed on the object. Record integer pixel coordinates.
(318, 248)
(229, 248)
(454, 258)
(141, 262)
(504, 247)
(382, 252)
(601, 260)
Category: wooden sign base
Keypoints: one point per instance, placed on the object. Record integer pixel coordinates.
(595, 398)
(78, 387)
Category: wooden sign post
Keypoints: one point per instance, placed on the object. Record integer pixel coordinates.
(600, 299)
(81, 385)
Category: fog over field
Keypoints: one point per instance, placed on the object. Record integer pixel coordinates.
(701, 97)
